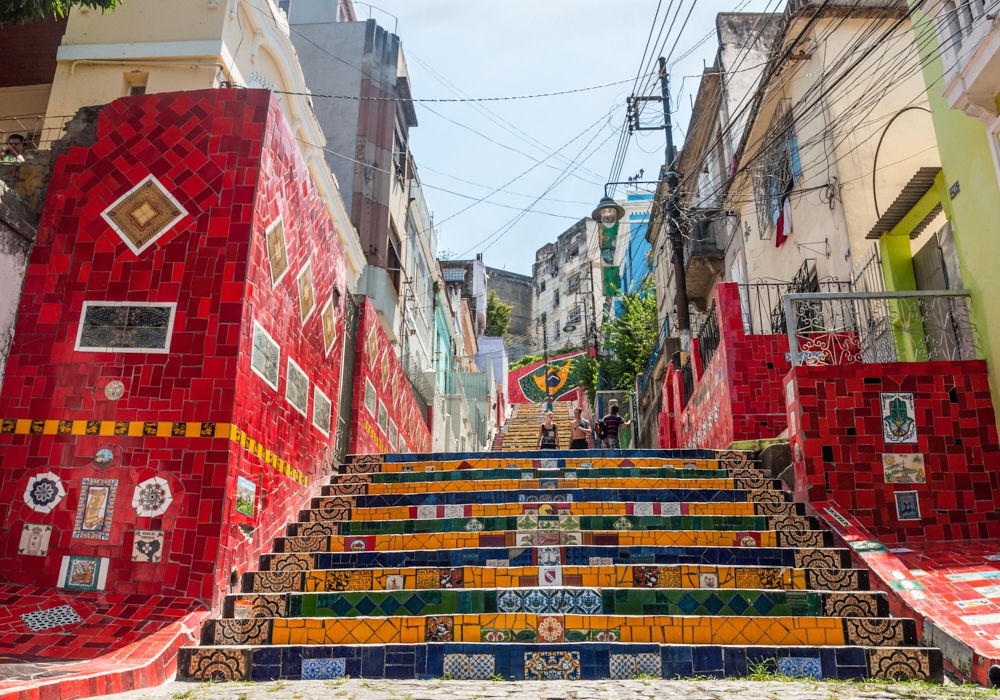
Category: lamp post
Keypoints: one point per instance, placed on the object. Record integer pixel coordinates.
(608, 211)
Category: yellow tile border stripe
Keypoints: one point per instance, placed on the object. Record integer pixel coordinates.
(163, 429)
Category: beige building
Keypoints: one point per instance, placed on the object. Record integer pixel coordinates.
(799, 141)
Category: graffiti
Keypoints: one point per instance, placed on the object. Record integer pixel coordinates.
(560, 376)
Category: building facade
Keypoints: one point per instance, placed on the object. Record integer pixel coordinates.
(517, 291)
(960, 52)
(568, 295)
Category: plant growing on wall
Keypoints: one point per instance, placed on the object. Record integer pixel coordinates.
(27, 11)
(497, 316)
(629, 338)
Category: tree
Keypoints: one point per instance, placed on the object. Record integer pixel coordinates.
(630, 337)
(497, 316)
(27, 11)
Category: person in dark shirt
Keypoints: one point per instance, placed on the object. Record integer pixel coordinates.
(613, 423)
(548, 434)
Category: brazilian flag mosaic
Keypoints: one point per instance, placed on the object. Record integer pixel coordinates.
(561, 376)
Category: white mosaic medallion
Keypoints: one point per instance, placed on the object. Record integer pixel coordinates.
(44, 491)
(152, 497)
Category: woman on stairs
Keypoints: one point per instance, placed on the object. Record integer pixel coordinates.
(548, 434)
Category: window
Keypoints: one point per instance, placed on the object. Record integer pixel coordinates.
(544, 319)
(285, 6)
(775, 175)
(297, 387)
(574, 317)
(555, 298)
(573, 251)
(321, 411)
(574, 284)
(114, 326)
(137, 89)
(541, 286)
(276, 252)
(557, 327)
(399, 153)
(265, 356)
(393, 262)
(307, 298)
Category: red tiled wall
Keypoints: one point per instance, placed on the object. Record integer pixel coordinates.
(838, 408)
(739, 396)
(376, 361)
(206, 149)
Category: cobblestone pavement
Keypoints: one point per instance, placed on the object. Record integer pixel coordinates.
(360, 689)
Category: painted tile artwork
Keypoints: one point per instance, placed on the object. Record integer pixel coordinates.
(276, 251)
(95, 510)
(144, 213)
(899, 425)
(904, 469)
(147, 546)
(83, 573)
(246, 496)
(34, 540)
(907, 505)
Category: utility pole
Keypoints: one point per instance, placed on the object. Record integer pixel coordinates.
(672, 213)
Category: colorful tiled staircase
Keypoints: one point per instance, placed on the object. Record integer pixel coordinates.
(680, 565)
(522, 427)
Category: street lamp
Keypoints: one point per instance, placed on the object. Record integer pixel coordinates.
(608, 211)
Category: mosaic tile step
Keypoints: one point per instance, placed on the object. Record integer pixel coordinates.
(562, 556)
(565, 661)
(725, 457)
(581, 483)
(568, 523)
(529, 474)
(531, 628)
(600, 575)
(335, 504)
(387, 467)
(581, 601)
(555, 538)
(337, 513)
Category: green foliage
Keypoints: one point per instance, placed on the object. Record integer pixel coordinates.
(630, 337)
(27, 11)
(497, 316)
(524, 361)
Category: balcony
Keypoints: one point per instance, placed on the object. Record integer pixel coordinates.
(970, 49)
(704, 255)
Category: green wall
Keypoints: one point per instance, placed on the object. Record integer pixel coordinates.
(966, 158)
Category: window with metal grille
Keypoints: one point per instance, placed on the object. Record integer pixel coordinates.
(777, 170)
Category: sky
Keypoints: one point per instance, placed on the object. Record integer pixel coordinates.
(498, 48)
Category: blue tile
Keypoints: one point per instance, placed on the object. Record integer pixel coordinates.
(735, 662)
(707, 659)
(267, 656)
(264, 673)
(851, 656)
(680, 669)
(671, 653)
(373, 661)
